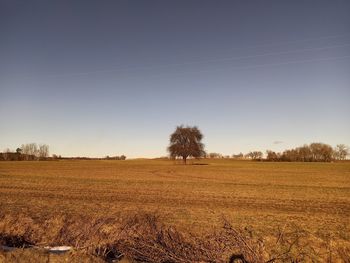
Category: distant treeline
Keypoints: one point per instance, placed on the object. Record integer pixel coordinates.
(314, 152)
(122, 157)
(35, 152)
(27, 152)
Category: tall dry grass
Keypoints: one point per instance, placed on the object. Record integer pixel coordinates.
(144, 238)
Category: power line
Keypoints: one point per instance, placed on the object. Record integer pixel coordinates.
(272, 44)
(265, 65)
(200, 61)
(264, 55)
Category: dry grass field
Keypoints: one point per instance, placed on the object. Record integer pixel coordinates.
(264, 197)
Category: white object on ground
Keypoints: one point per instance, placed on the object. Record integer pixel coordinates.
(58, 249)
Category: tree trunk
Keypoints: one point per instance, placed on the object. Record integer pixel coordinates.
(184, 159)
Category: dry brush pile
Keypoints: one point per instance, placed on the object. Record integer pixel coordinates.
(143, 238)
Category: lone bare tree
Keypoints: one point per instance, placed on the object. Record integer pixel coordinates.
(186, 142)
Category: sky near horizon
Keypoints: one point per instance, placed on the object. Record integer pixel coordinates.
(97, 78)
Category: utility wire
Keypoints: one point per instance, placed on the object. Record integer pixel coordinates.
(273, 44)
(263, 65)
(200, 61)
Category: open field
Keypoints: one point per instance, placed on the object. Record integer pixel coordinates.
(264, 196)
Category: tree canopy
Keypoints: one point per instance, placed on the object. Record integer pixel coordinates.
(186, 142)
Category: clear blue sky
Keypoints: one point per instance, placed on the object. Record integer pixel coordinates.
(96, 78)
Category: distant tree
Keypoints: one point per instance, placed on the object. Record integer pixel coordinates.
(237, 156)
(290, 155)
(271, 156)
(43, 151)
(248, 155)
(18, 150)
(30, 150)
(122, 157)
(304, 153)
(186, 142)
(6, 154)
(256, 155)
(321, 152)
(215, 155)
(341, 151)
